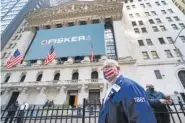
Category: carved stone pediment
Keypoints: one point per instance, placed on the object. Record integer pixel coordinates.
(74, 9)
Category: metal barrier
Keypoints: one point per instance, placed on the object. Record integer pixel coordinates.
(86, 113)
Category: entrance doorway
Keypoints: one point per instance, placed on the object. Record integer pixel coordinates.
(94, 96)
(13, 99)
(72, 97)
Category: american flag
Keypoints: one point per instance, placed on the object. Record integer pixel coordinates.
(51, 55)
(15, 59)
(92, 53)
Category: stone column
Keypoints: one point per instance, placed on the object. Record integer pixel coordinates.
(82, 93)
(61, 96)
(5, 97)
(41, 98)
(23, 95)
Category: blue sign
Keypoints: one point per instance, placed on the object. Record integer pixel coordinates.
(68, 41)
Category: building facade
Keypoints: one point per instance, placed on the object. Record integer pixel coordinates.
(12, 14)
(180, 4)
(138, 34)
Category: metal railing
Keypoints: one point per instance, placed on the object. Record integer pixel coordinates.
(86, 113)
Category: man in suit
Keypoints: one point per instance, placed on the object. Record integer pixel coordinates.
(125, 101)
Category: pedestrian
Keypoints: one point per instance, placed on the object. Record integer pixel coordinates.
(159, 103)
(21, 113)
(11, 112)
(46, 103)
(125, 101)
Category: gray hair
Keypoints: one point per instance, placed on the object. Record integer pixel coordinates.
(110, 62)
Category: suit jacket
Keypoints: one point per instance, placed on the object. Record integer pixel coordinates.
(126, 103)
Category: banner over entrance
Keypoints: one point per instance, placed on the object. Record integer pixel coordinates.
(68, 41)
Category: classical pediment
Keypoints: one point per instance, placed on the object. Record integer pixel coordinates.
(75, 9)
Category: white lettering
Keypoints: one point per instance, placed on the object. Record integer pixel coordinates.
(66, 39)
(60, 40)
(52, 41)
(139, 99)
(81, 38)
(75, 38)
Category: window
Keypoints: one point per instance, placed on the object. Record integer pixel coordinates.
(19, 37)
(158, 20)
(142, 5)
(94, 75)
(75, 76)
(136, 30)
(133, 6)
(15, 38)
(134, 23)
(182, 38)
(163, 11)
(144, 30)
(10, 45)
(141, 23)
(174, 26)
(131, 15)
(168, 53)
(137, 15)
(128, 7)
(182, 25)
(148, 4)
(140, 42)
(151, 21)
(145, 55)
(163, 28)
(161, 40)
(176, 18)
(57, 76)
(39, 77)
(158, 74)
(170, 40)
(149, 42)
(3, 56)
(7, 78)
(153, 13)
(177, 52)
(23, 76)
(147, 14)
(170, 11)
(163, 2)
(169, 19)
(154, 55)
(155, 29)
(157, 3)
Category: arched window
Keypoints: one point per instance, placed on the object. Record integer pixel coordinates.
(23, 78)
(57, 76)
(181, 76)
(7, 78)
(94, 75)
(75, 76)
(39, 77)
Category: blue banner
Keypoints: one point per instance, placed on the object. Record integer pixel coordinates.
(68, 41)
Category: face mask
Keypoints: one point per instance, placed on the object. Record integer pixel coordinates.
(151, 89)
(110, 73)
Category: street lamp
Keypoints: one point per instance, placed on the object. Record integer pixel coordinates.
(173, 42)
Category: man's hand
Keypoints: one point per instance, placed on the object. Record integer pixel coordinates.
(164, 101)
